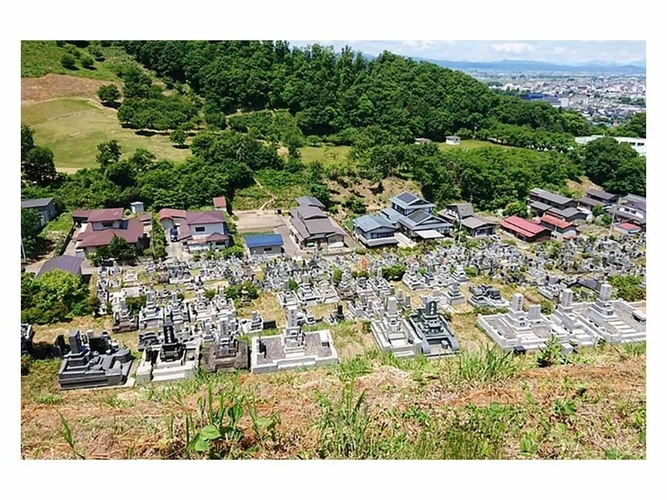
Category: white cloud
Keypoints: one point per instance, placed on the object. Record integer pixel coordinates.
(419, 44)
(559, 50)
(513, 47)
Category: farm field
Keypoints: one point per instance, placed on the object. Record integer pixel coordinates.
(72, 128)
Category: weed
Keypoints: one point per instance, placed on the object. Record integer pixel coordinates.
(527, 445)
(66, 432)
(49, 399)
(564, 409)
(552, 354)
(492, 365)
(350, 369)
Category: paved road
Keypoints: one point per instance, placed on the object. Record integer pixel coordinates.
(291, 249)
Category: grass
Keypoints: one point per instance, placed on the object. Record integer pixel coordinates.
(72, 129)
(39, 58)
(60, 225)
(327, 155)
(470, 144)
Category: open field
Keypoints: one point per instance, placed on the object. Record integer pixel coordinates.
(470, 144)
(72, 129)
(327, 155)
(39, 58)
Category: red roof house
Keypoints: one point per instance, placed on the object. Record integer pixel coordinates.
(220, 203)
(525, 230)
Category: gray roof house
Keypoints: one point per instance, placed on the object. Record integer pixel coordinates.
(310, 226)
(544, 197)
(414, 216)
(309, 201)
(374, 231)
(45, 207)
(68, 263)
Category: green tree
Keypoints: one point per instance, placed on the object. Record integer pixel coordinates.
(597, 210)
(68, 61)
(178, 137)
(38, 167)
(55, 296)
(515, 208)
(87, 62)
(108, 94)
(121, 250)
(109, 152)
(30, 228)
(614, 166)
(27, 141)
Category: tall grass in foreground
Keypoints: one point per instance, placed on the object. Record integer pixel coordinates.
(490, 365)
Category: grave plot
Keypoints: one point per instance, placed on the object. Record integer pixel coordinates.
(292, 349)
(433, 330)
(225, 352)
(393, 333)
(92, 361)
(486, 296)
(167, 360)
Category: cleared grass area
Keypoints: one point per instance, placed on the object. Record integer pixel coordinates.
(327, 155)
(72, 129)
(470, 144)
(39, 58)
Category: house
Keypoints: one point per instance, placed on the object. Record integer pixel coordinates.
(525, 230)
(264, 244)
(626, 228)
(560, 229)
(137, 207)
(602, 196)
(100, 226)
(374, 231)
(573, 215)
(309, 201)
(68, 263)
(457, 212)
(310, 226)
(202, 231)
(630, 208)
(453, 140)
(541, 201)
(171, 218)
(79, 216)
(45, 207)
(220, 203)
(479, 227)
(414, 217)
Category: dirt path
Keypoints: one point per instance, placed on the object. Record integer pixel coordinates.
(273, 198)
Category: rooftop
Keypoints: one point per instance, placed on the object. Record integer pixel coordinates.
(220, 202)
(522, 226)
(602, 195)
(207, 217)
(263, 240)
(409, 200)
(555, 221)
(370, 222)
(105, 215)
(131, 231)
(68, 263)
(36, 203)
(550, 197)
(476, 221)
(171, 213)
(309, 201)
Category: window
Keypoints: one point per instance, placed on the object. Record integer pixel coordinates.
(107, 224)
(268, 249)
(200, 229)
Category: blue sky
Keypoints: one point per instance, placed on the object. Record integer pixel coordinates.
(560, 52)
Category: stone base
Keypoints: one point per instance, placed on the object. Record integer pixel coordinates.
(318, 350)
(210, 363)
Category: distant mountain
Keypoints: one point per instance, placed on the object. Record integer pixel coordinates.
(637, 68)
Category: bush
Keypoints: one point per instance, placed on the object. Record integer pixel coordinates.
(393, 273)
(551, 354)
(87, 62)
(26, 361)
(68, 61)
(471, 272)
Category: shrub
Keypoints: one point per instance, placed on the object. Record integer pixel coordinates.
(87, 62)
(68, 61)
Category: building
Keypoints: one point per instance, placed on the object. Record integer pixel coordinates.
(597, 198)
(171, 218)
(311, 227)
(630, 208)
(137, 207)
(374, 231)
(264, 244)
(414, 217)
(100, 226)
(45, 207)
(453, 140)
(560, 229)
(525, 230)
(67, 263)
(220, 203)
(638, 144)
(202, 231)
(626, 228)
(463, 215)
(542, 200)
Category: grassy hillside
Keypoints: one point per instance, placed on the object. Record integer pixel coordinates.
(39, 58)
(72, 129)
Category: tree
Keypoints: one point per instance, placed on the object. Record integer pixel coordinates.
(55, 296)
(121, 250)
(515, 208)
(597, 211)
(30, 227)
(68, 61)
(178, 137)
(615, 166)
(109, 152)
(38, 167)
(108, 94)
(87, 62)
(27, 141)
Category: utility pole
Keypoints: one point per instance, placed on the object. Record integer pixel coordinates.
(613, 214)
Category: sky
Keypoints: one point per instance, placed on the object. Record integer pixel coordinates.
(557, 52)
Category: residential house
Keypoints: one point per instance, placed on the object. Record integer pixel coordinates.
(311, 227)
(414, 217)
(100, 226)
(171, 218)
(560, 229)
(463, 215)
(45, 207)
(596, 198)
(67, 263)
(525, 230)
(626, 228)
(264, 244)
(220, 203)
(542, 201)
(374, 231)
(630, 208)
(202, 231)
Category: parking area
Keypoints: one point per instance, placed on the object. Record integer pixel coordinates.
(266, 221)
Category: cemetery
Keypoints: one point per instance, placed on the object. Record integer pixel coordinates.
(393, 332)
(433, 330)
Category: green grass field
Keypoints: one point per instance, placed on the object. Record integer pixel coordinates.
(470, 144)
(41, 57)
(72, 129)
(326, 155)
